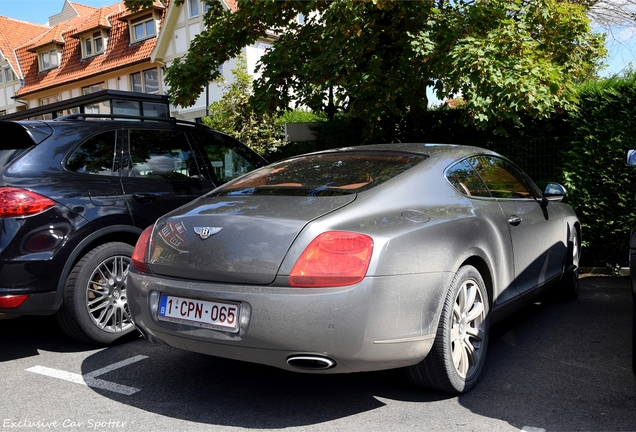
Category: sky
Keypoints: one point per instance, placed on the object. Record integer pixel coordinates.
(621, 43)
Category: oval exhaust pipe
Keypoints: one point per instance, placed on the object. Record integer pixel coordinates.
(310, 362)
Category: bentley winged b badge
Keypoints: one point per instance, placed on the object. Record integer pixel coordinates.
(205, 232)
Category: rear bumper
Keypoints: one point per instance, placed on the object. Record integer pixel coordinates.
(36, 304)
(381, 323)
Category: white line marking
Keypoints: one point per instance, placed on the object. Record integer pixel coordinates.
(89, 378)
(114, 366)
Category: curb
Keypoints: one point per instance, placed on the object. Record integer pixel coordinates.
(624, 271)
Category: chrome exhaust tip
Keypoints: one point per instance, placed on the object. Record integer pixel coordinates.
(310, 362)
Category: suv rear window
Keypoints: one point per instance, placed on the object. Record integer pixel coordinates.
(338, 173)
(18, 137)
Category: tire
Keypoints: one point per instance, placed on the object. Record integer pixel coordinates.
(457, 357)
(569, 288)
(94, 306)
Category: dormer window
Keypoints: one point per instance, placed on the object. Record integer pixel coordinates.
(143, 28)
(49, 59)
(93, 44)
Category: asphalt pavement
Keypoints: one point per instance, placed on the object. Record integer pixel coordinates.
(552, 366)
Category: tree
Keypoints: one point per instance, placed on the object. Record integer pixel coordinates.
(234, 115)
(374, 60)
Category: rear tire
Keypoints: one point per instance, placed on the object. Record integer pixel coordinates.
(457, 357)
(95, 306)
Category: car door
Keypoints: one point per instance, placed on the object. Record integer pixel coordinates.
(536, 232)
(94, 179)
(161, 173)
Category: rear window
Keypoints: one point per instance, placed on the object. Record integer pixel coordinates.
(322, 174)
(19, 137)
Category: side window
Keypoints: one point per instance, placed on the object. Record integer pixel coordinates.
(466, 180)
(96, 156)
(224, 158)
(160, 154)
(503, 179)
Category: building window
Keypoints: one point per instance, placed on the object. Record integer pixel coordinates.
(93, 45)
(8, 76)
(143, 28)
(49, 100)
(48, 59)
(194, 8)
(93, 88)
(145, 82)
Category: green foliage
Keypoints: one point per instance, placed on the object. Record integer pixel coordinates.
(301, 116)
(234, 115)
(601, 187)
(374, 60)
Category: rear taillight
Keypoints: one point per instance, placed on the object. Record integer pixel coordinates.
(334, 258)
(12, 301)
(141, 251)
(15, 202)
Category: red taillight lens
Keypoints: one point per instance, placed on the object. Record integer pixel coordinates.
(141, 251)
(334, 258)
(12, 301)
(15, 202)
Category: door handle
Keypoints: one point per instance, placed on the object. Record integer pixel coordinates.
(514, 220)
(143, 197)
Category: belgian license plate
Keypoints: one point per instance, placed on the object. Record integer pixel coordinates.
(201, 313)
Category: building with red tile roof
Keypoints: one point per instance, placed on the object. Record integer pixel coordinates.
(86, 49)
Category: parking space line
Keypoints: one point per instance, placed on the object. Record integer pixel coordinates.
(114, 366)
(90, 379)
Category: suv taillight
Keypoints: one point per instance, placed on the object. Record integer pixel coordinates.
(334, 258)
(15, 202)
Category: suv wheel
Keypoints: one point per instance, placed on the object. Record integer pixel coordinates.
(95, 306)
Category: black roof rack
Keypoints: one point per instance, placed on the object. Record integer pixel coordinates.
(114, 117)
(112, 100)
(124, 117)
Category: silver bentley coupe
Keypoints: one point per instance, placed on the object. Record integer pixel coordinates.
(357, 259)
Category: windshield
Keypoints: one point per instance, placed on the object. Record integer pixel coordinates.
(338, 173)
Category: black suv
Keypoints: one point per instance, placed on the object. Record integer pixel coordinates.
(76, 192)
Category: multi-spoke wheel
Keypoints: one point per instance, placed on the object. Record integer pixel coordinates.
(95, 306)
(457, 357)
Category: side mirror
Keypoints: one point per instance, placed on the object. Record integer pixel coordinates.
(555, 192)
(630, 158)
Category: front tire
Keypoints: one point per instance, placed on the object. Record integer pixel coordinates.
(95, 306)
(457, 357)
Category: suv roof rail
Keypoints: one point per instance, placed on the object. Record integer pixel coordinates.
(113, 117)
(125, 117)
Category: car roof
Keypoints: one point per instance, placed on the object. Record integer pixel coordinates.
(432, 150)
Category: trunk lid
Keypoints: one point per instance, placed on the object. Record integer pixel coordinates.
(236, 239)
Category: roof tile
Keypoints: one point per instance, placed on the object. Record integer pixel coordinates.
(14, 33)
(119, 52)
